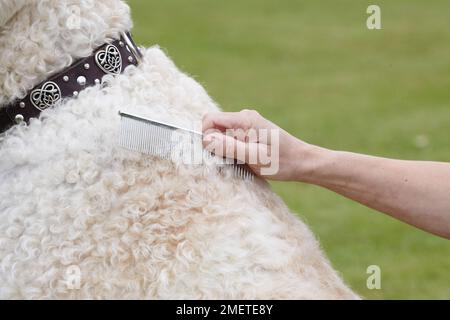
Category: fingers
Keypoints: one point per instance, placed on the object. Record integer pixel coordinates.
(225, 146)
(245, 120)
(246, 126)
(224, 120)
(228, 147)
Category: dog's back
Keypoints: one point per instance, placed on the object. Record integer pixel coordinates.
(82, 218)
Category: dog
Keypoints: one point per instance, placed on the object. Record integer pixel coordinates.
(81, 218)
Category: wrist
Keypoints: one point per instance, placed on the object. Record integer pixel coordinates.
(313, 163)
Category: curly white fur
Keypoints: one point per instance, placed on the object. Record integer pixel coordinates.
(135, 226)
(9, 8)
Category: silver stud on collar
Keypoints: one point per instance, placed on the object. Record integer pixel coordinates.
(121, 43)
(81, 80)
(19, 118)
(130, 58)
(87, 66)
(75, 93)
(22, 104)
(66, 79)
(97, 81)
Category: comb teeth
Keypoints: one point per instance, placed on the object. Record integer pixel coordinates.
(242, 171)
(145, 138)
(163, 140)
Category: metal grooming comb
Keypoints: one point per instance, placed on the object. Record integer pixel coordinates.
(167, 141)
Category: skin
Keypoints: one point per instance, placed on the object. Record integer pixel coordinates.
(415, 192)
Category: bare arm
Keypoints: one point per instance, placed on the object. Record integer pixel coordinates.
(416, 192)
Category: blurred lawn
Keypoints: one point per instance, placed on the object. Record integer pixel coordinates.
(314, 68)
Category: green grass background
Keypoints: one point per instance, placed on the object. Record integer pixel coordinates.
(316, 70)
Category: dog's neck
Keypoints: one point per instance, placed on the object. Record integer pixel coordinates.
(46, 36)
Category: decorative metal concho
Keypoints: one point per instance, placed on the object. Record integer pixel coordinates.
(109, 60)
(46, 96)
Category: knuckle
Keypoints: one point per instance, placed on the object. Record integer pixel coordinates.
(255, 113)
(250, 113)
(250, 118)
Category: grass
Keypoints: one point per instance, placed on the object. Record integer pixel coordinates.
(316, 70)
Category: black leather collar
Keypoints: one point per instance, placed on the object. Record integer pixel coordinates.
(110, 58)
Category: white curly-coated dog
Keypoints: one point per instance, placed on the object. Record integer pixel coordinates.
(132, 226)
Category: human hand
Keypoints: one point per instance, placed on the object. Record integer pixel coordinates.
(246, 136)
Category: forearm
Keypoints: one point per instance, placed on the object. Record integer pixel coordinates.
(412, 191)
